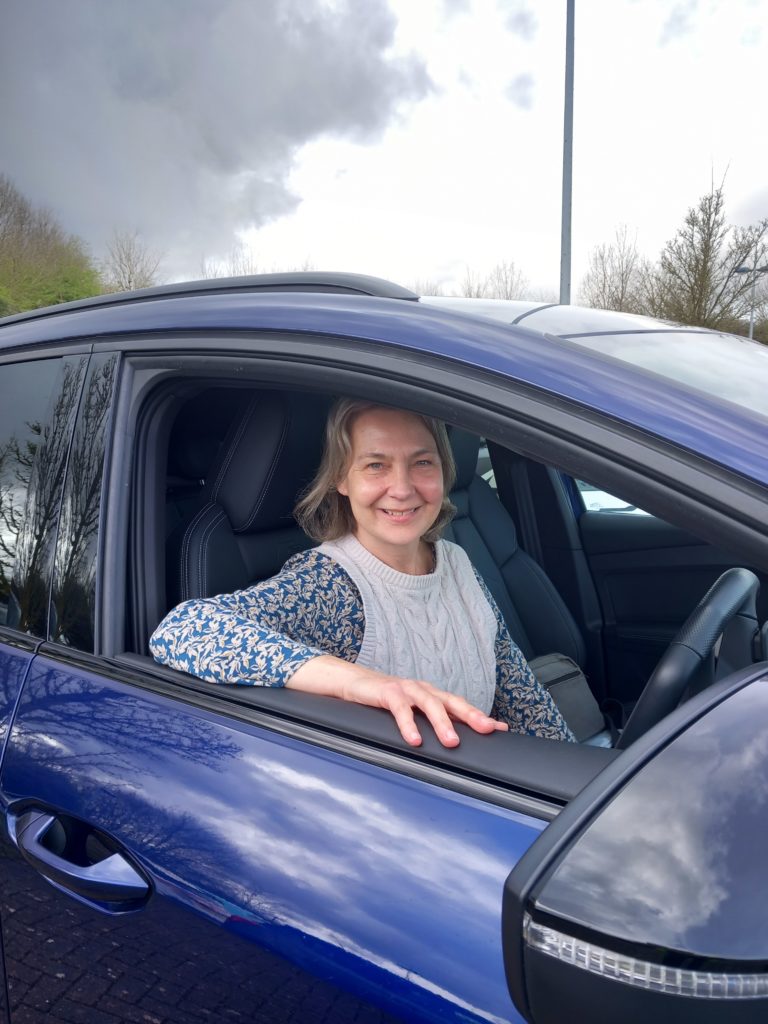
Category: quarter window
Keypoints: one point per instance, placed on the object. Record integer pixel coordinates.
(37, 411)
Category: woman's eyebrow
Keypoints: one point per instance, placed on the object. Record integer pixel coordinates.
(383, 455)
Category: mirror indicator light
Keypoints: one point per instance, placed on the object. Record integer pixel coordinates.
(642, 973)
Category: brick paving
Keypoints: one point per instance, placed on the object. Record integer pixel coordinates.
(68, 963)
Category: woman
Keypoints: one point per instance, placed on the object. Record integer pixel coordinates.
(383, 612)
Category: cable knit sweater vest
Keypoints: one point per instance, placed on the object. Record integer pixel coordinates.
(439, 627)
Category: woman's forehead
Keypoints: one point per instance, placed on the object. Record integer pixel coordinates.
(390, 428)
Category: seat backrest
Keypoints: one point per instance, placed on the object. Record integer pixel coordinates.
(244, 530)
(537, 617)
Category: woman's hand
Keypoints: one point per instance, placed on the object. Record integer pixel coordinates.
(334, 677)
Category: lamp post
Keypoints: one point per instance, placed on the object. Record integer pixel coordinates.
(754, 271)
(565, 229)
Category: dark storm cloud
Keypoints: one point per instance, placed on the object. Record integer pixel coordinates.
(181, 118)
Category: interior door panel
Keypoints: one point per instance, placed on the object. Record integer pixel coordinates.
(649, 576)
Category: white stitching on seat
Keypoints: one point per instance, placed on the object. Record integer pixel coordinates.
(202, 570)
(270, 473)
(233, 447)
(184, 586)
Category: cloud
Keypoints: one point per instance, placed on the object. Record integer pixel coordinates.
(452, 7)
(753, 208)
(181, 119)
(520, 91)
(519, 18)
(679, 23)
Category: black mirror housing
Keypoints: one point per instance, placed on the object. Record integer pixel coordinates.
(645, 899)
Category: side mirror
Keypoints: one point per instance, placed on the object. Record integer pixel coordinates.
(645, 900)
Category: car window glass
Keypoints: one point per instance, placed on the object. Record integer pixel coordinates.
(484, 467)
(74, 580)
(39, 401)
(597, 500)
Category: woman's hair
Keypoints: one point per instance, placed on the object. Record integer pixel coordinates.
(322, 512)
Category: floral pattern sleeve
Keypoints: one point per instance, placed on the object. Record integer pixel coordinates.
(521, 701)
(261, 635)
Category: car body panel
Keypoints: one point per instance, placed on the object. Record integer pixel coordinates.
(361, 876)
(305, 871)
(699, 898)
(726, 434)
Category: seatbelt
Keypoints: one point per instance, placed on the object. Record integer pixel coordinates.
(514, 489)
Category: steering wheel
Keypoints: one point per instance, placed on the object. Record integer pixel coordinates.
(728, 609)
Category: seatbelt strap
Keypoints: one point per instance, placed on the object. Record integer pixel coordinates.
(514, 489)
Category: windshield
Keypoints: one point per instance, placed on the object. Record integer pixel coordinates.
(722, 365)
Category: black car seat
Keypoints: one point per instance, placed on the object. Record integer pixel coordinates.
(537, 617)
(244, 529)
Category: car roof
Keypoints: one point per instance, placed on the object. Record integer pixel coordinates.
(564, 321)
(513, 351)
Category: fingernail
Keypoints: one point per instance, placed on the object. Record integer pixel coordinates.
(451, 735)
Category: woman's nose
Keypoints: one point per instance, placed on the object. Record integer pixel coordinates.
(400, 483)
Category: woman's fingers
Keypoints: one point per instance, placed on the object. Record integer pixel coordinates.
(440, 707)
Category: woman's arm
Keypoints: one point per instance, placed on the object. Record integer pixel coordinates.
(260, 636)
(521, 700)
(334, 678)
(302, 629)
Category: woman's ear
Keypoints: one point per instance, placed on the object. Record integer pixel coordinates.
(342, 488)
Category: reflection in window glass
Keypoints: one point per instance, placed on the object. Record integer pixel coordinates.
(75, 572)
(38, 402)
(596, 500)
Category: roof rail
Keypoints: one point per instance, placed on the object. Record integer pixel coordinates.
(295, 281)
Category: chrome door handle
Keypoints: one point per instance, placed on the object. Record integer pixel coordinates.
(111, 880)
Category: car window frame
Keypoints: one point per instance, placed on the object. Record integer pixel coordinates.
(479, 401)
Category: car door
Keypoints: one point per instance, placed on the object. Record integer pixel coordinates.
(38, 403)
(172, 856)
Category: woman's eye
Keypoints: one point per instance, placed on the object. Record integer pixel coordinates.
(425, 462)
(375, 465)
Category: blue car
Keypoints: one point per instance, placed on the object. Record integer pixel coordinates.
(177, 851)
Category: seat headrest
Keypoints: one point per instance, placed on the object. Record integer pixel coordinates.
(465, 448)
(271, 452)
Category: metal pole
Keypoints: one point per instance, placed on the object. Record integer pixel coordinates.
(565, 233)
(752, 302)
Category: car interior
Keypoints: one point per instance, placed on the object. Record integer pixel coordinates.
(230, 463)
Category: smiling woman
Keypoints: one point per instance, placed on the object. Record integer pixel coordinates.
(383, 612)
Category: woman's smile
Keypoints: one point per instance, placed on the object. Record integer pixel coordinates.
(394, 484)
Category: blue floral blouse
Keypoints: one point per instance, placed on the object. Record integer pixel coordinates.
(261, 635)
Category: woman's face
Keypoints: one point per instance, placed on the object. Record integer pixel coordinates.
(394, 481)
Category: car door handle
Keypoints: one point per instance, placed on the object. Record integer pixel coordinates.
(111, 880)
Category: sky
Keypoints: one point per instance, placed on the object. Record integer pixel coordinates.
(409, 139)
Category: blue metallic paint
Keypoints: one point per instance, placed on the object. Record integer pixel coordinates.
(372, 880)
(725, 435)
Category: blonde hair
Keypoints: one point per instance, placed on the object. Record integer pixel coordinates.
(323, 513)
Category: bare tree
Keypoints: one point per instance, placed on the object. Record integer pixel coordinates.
(473, 286)
(426, 286)
(243, 263)
(615, 275)
(696, 280)
(130, 264)
(506, 281)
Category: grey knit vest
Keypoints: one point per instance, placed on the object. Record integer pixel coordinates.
(439, 627)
